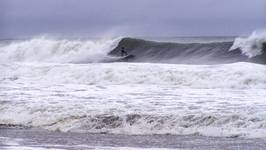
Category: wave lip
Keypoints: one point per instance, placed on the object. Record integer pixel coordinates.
(253, 45)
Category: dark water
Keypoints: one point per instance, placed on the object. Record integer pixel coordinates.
(184, 53)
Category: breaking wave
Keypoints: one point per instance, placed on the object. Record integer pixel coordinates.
(141, 124)
(90, 51)
(56, 51)
(251, 46)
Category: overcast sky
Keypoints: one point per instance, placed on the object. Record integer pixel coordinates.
(95, 18)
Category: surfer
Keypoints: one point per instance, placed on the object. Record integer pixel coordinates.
(123, 52)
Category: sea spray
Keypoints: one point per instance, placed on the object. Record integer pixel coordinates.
(252, 45)
(44, 49)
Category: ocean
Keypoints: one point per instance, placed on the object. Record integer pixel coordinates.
(174, 93)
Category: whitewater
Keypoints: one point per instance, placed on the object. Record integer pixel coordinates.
(214, 88)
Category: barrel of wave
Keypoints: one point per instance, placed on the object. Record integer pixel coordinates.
(264, 46)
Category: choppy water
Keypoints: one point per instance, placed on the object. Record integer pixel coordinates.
(125, 98)
(42, 85)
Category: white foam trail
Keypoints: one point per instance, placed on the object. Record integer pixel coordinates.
(252, 45)
(127, 98)
(236, 76)
(50, 50)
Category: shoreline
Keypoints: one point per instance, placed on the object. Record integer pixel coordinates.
(36, 138)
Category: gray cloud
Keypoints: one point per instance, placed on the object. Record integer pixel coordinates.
(20, 18)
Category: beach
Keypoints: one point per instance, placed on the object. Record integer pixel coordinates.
(39, 139)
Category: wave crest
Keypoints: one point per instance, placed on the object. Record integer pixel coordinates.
(51, 50)
(251, 46)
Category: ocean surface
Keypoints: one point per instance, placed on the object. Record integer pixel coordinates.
(211, 87)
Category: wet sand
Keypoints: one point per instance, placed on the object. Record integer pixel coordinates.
(41, 139)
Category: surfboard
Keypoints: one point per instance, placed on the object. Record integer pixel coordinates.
(126, 58)
(119, 59)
